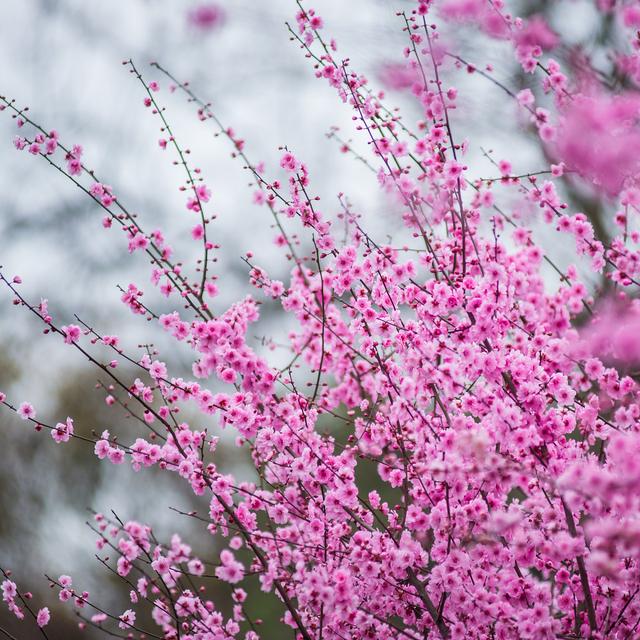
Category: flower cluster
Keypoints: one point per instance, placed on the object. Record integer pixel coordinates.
(452, 450)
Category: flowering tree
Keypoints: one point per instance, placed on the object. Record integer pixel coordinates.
(496, 406)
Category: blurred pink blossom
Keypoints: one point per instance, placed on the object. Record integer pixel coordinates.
(478, 12)
(536, 32)
(398, 75)
(599, 137)
(613, 333)
(206, 16)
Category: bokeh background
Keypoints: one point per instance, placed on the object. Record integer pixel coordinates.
(63, 58)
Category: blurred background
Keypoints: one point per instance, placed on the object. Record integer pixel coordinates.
(63, 58)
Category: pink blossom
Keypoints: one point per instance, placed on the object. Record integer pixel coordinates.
(62, 432)
(127, 619)
(230, 569)
(607, 159)
(204, 193)
(9, 590)
(26, 411)
(536, 32)
(158, 370)
(613, 333)
(71, 333)
(206, 16)
(631, 16)
(289, 162)
(43, 617)
(399, 76)
(65, 581)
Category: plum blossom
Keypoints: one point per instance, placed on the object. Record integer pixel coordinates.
(43, 617)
